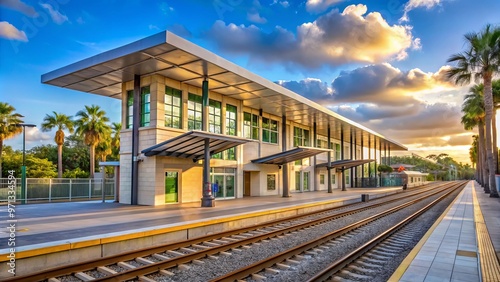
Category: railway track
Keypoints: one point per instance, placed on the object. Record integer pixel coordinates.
(181, 256)
(362, 264)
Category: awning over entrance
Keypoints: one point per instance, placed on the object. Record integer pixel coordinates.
(292, 155)
(191, 145)
(345, 164)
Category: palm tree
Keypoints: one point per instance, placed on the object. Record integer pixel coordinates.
(61, 122)
(474, 115)
(8, 128)
(116, 127)
(481, 61)
(92, 125)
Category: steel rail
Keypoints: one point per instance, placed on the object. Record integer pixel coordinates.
(147, 269)
(278, 258)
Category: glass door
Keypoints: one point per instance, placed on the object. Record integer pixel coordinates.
(171, 186)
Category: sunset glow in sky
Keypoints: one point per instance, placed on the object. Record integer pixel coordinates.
(379, 63)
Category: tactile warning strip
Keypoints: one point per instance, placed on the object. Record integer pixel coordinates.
(490, 267)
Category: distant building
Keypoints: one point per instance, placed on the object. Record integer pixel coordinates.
(191, 118)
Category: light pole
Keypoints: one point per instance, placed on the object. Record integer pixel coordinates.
(23, 168)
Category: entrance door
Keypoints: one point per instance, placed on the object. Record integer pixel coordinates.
(171, 186)
(246, 180)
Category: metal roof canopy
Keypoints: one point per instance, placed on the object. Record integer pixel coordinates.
(345, 164)
(191, 145)
(292, 155)
(171, 56)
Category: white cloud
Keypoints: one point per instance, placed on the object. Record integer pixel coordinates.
(34, 134)
(332, 39)
(413, 4)
(318, 6)
(285, 4)
(255, 17)
(56, 16)
(10, 32)
(19, 6)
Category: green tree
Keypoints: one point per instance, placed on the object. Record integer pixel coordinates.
(8, 127)
(116, 127)
(92, 125)
(474, 115)
(61, 122)
(35, 167)
(480, 61)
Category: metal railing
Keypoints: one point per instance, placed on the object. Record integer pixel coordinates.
(60, 189)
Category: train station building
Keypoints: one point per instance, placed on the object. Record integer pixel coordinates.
(196, 126)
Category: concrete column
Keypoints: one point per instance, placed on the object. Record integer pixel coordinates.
(315, 144)
(342, 155)
(329, 160)
(286, 188)
(208, 200)
(136, 123)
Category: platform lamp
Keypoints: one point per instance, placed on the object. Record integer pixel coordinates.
(23, 168)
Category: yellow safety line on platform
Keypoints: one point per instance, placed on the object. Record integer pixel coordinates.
(396, 276)
(490, 267)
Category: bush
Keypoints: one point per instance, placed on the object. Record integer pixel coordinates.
(384, 168)
(75, 173)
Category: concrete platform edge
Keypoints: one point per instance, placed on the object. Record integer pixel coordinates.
(396, 276)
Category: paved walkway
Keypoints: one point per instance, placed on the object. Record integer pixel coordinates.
(456, 247)
(55, 222)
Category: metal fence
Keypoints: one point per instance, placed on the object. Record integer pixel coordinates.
(60, 189)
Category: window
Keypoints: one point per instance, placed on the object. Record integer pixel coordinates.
(145, 106)
(130, 108)
(231, 121)
(250, 126)
(214, 117)
(194, 112)
(333, 178)
(305, 178)
(297, 181)
(321, 143)
(271, 182)
(347, 177)
(173, 107)
(338, 152)
(321, 179)
(300, 137)
(269, 131)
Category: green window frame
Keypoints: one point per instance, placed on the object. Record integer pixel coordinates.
(269, 131)
(130, 108)
(194, 112)
(173, 107)
(300, 137)
(250, 126)
(338, 152)
(321, 179)
(145, 106)
(231, 120)
(215, 116)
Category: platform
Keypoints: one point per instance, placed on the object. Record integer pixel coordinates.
(53, 234)
(461, 246)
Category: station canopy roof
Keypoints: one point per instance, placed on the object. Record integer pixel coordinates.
(291, 155)
(191, 145)
(345, 164)
(171, 56)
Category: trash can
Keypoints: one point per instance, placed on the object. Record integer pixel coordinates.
(365, 197)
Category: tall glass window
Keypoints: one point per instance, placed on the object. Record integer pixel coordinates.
(145, 106)
(130, 108)
(231, 121)
(338, 153)
(269, 131)
(231, 129)
(300, 137)
(194, 112)
(214, 117)
(250, 126)
(173, 107)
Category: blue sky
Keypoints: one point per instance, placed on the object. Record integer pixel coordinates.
(380, 63)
